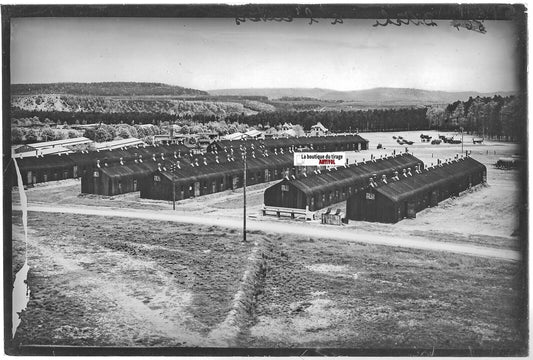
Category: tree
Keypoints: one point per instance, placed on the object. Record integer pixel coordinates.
(72, 134)
(90, 134)
(298, 130)
(16, 135)
(123, 132)
(102, 134)
(31, 136)
(47, 134)
(60, 135)
(133, 132)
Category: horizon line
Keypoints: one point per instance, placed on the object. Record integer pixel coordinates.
(264, 88)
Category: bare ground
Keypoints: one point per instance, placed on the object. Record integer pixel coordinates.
(106, 281)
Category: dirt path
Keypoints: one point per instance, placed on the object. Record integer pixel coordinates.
(302, 229)
(89, 276)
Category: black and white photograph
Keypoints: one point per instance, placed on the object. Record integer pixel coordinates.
(282, 180)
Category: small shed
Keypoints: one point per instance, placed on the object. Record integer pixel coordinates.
(397, 200)
(318, 130)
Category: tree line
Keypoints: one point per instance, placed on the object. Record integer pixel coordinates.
(492, 117)
(342, 121)
(496, 117)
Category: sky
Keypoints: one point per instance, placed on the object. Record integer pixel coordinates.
(210, 53)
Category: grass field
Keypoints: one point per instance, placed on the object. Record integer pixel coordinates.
(105, 281)
(322, 293)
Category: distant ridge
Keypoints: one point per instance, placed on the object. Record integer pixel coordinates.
(274, 93)
(375, 95)
(104, 89)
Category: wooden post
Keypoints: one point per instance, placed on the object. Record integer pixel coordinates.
(173, 194)
(244, 196)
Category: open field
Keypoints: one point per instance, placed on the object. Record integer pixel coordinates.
(110, 280)
(106, 281)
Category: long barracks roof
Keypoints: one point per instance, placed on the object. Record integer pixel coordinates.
(109, 145)
(45, 162)
(189, 173)
(429, 178)
(295, 141)
(64, 142)
(345, 176)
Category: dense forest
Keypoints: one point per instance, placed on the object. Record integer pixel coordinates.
(492, 117)
(496, 118)
(341, 121)
(104, 89)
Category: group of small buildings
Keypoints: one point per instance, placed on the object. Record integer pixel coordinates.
(380, 190)
(68, 146)
(388, 189)
(122, 170)
(321, 189)
(393, 201)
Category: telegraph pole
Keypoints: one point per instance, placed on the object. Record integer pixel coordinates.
(244, 193)
(462, 141)
(173, 188)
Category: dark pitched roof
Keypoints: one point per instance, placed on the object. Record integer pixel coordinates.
(346, 176)
(446, 173)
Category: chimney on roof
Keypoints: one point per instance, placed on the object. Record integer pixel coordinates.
(216, 159)
(404, 173)
(253, 154)
(276, 151)
(178, 164)
(384, 179)
(409, 172)
(153, 157)
(121, 161)
(159, 166)
(205, 161)
(163, 156)
(395, 177)
(371, 182)
(140, 158)
(98, 163)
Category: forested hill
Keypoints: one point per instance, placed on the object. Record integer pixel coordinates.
(383, 96)
(104, 89)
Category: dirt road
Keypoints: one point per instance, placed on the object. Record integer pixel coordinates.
(302, 229)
